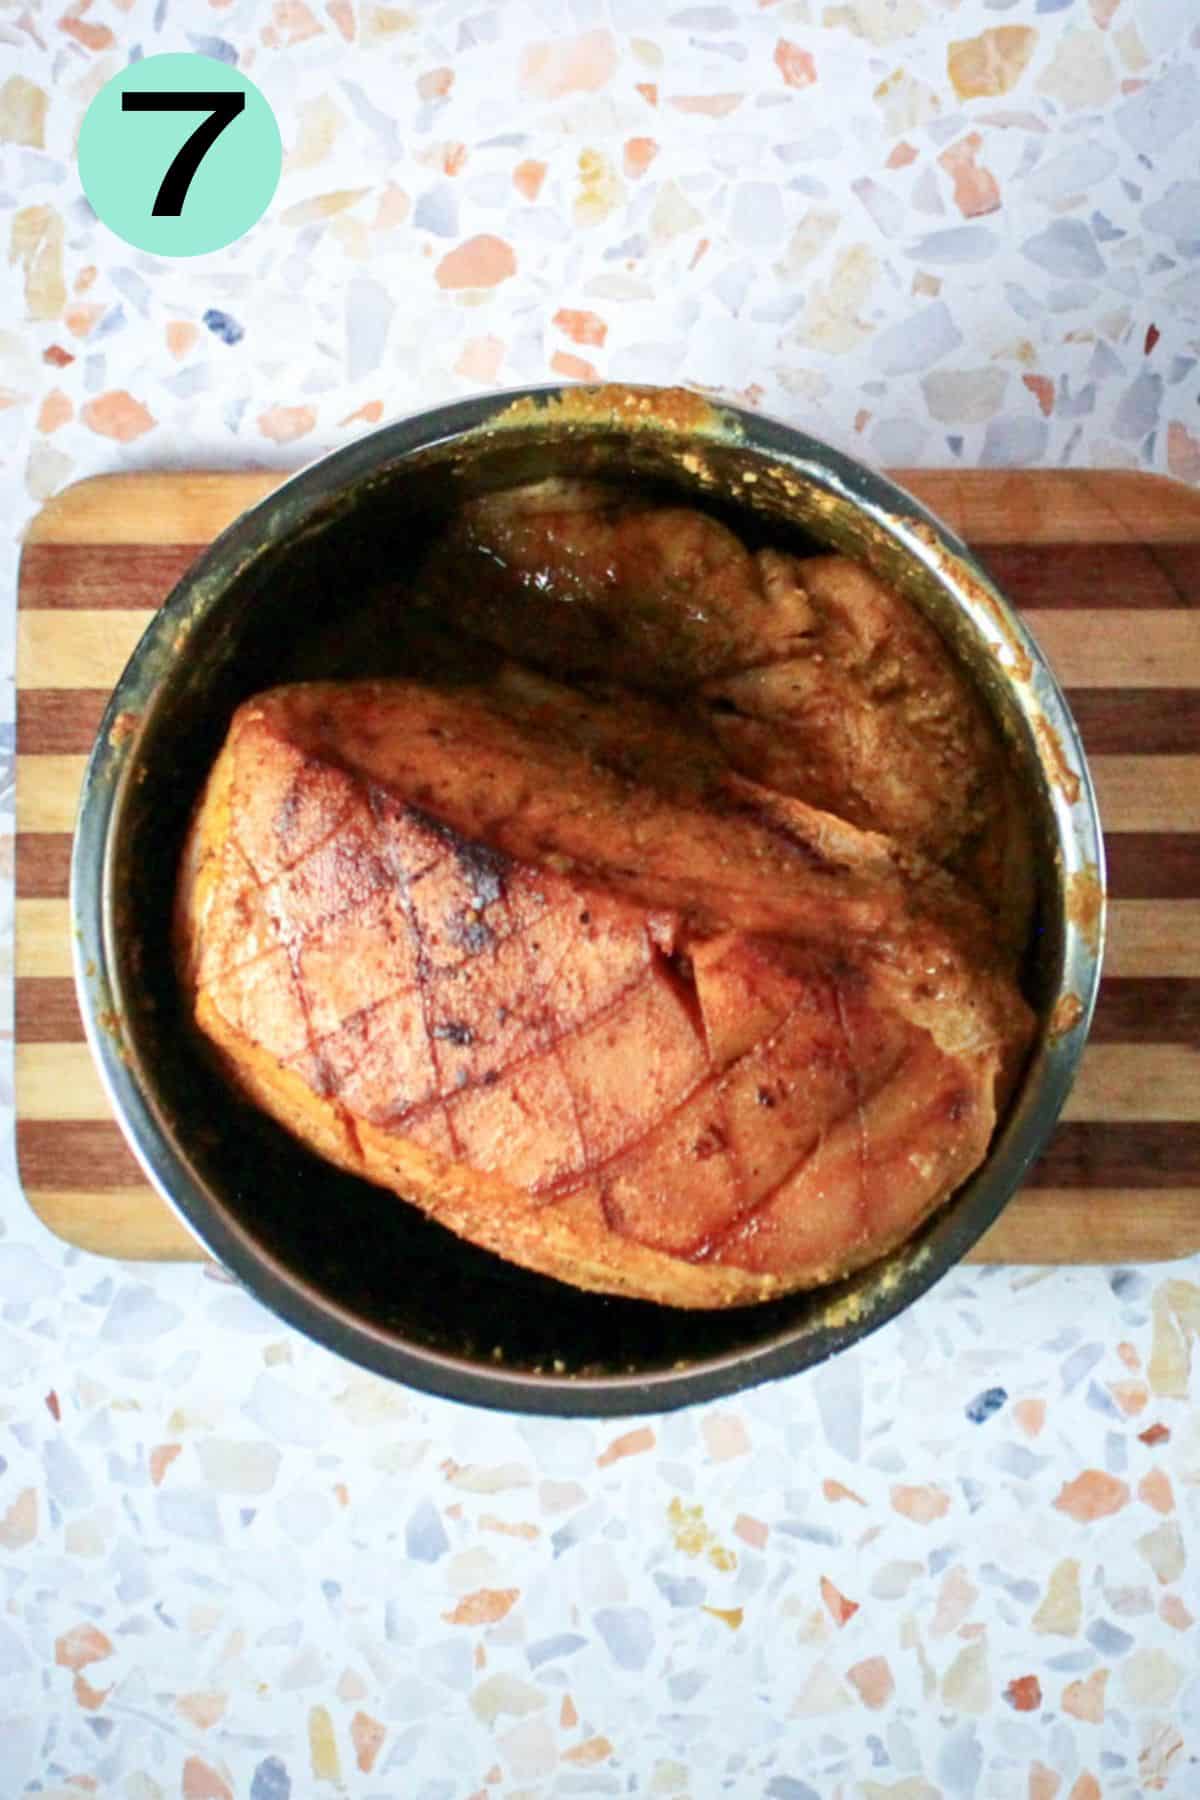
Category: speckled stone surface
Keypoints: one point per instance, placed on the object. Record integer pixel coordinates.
(959, 1562)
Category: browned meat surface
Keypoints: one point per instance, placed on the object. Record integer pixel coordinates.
(815, 678)
(549, 968)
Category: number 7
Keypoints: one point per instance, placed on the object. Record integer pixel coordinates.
(222, 108)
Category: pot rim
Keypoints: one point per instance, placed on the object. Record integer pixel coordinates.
(891, 1285)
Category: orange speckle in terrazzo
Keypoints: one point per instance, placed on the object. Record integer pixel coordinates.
(90, 1698)
(201, 1781)
(480, 262)
(1183, 452)
(55, 410)
(649, 91)
(572, 368)
(1044, 1783)
(18, 1525)
(1154, 1489)
(1174, 1613)
(1086, 1788)
(592, 1750)
(872, 1681)
(640, 152)
(630, 1443)
(902, 154)
(956, 1596)
(1030, 1415)
(751, 1531)
(480, 359)
(1131, 1396)
(581, 327)
(394, 207)
(1085, 1699)
(83, 316)
(284, 424)
(568, 65)
(161, 1458)
(840, 1609)
(484, 1607)
(370, 413)
(203, 1710)
(82, 1645)
(725, 1436)
(521, 1528)
(1155, 1434)
(976, 190)
(794, 64)
(342, 14)
(730, 1616)
(710, 106)
(923, 1504)
(835, 1491)
(1042, 389)
(291, 23)
(528, 177)
(118, 415)
(453, 158)
(568, 1718)
(181, 335)
(91, 36)
(57, 357)
(86, 278)
(435, 84)
(1092, 1495)
(702, 249)
(1129, 1356)
(1024, 1694)
(367, 1735)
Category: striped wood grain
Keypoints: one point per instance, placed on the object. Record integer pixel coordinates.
(1106, 567)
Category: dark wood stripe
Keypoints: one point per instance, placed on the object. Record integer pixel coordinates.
(86, 1154)
(43, 865)
(1142, 865)
(45, 1010)
(1120, 1156)
(1149, 1010)
(1095, 575)
(1153, 865)
(76, 576)
(74, 1153)
(58, 721)
(1137, 721)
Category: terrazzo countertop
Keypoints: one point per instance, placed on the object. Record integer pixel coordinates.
(959, 1561)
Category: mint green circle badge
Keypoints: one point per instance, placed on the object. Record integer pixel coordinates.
(179, 154)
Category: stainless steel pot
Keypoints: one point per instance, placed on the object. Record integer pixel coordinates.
(283, 593)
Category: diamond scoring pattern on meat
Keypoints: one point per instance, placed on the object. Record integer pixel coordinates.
(685, 1039)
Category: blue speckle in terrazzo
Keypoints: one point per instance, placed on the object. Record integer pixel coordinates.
(223, 326)
(271, 1780)
(985, 1404)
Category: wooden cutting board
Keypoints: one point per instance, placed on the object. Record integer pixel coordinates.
(1106, 568)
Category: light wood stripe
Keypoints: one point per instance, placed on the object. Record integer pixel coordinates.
(43, 937)
(1112, 649)
(1146, 937)
(1154, 1083)
(48, 792)
(1048, 1225)
(1141, 793)
(151, 507)
(1153, 937)
(88, 650)
(1119, 649)
(1112, 506)
(59, 1081)
(130, 1221)
(1128, 1082)
(1135, 793)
